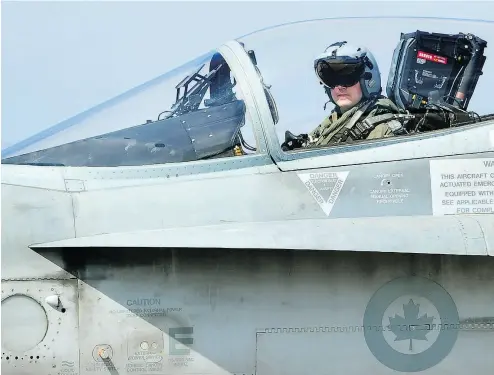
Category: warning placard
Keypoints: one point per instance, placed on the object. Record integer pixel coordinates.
(325, 187)
(462, 186)
(432, 57)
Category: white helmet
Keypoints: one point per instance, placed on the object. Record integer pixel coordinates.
(343, 64)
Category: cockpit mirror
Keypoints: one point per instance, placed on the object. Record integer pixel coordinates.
(252, 56)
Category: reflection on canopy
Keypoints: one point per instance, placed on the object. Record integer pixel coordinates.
(286, 60)
(194, 112)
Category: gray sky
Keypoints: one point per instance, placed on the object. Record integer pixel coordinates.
(61, 58)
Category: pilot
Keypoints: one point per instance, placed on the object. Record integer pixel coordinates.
(352, 80)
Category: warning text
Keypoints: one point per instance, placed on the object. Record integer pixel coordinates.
(468, 190)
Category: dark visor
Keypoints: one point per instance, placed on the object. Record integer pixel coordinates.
(339, 74)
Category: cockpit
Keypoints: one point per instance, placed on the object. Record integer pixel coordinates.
(243, 98)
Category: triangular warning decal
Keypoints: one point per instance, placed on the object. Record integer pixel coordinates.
(325, 187)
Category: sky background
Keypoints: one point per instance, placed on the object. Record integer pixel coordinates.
(61, 58)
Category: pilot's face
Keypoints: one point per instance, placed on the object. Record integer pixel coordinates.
(346, 97)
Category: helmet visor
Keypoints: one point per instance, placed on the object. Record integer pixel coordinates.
(334, 74)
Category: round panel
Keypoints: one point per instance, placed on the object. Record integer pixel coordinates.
(27, 323)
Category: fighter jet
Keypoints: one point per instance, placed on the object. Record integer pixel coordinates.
(175, 229)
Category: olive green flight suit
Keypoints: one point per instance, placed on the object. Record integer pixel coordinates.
(332, 129)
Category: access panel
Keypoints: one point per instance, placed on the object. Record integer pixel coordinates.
(40, 327)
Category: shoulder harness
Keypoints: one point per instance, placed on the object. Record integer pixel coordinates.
(357, 130)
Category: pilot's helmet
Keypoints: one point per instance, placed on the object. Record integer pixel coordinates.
(346, 64)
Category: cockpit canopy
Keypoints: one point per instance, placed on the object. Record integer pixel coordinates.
(207, 108)
(203, 117)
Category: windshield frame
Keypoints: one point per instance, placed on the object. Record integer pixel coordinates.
(362, 152)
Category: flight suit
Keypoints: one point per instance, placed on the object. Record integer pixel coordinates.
(352, 125)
